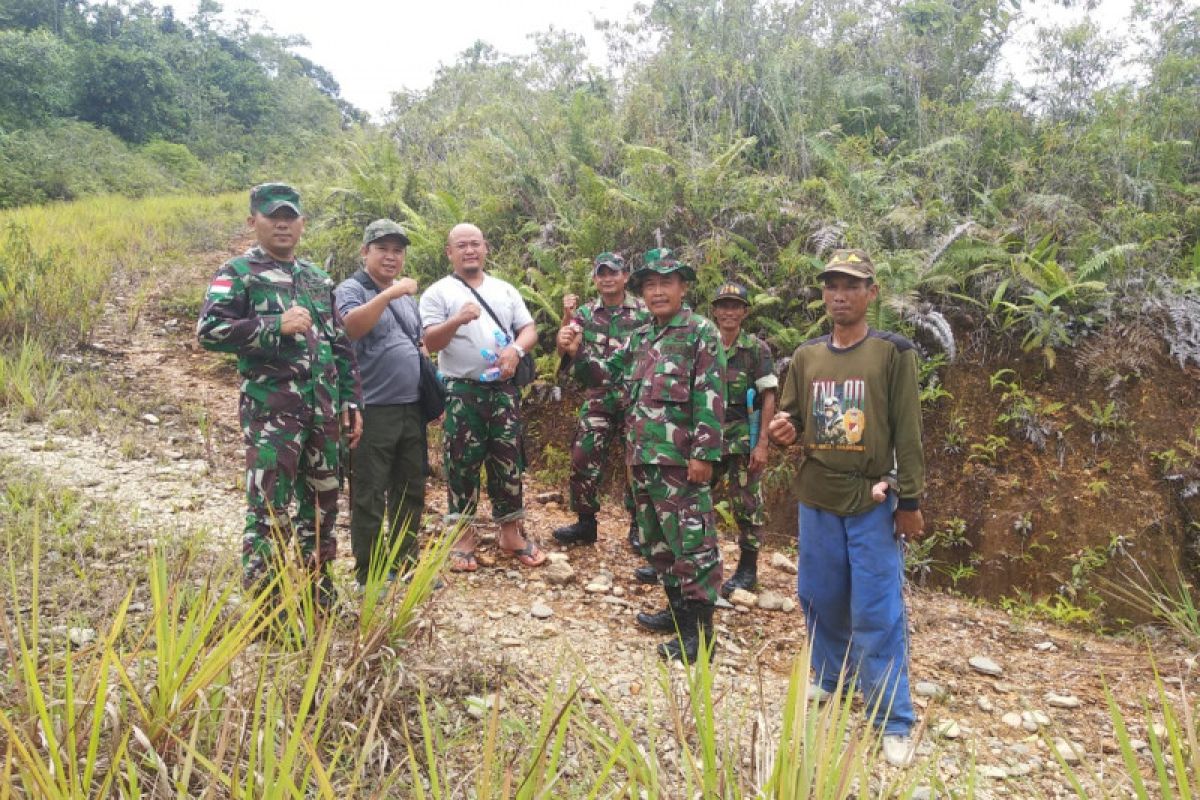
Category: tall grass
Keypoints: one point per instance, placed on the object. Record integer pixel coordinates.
(57, 261)
(194, 700)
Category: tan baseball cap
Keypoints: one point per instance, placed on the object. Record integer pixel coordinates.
(855, 263)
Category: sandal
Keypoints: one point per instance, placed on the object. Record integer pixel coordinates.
(529, 555)
(463, 561)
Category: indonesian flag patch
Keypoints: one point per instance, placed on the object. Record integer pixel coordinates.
(220, 286)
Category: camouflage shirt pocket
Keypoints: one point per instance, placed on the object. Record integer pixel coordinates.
(668, 388)
(269, 298)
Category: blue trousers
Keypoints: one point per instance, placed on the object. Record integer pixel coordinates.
(851, 574)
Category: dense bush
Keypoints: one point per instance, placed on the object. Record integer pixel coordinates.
(234, 99)
(755, 137)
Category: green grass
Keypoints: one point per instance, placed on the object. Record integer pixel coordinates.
(59, 266)
(57, 262)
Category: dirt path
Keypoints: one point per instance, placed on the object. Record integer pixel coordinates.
(169, 457)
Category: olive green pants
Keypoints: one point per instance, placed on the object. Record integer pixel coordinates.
(388, 485)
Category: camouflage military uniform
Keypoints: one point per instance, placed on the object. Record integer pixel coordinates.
(602, 415)
(748, 365)
(293, 389)
(482, 427)
(676, 387)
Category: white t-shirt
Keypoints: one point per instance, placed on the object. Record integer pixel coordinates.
(463, 356)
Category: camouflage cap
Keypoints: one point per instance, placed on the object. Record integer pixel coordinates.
(855, 263)
(384, 227)
(610, 260)
(267, 198)
(661, 261)
(732, 291)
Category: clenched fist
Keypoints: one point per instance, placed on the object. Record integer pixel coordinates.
(295, 320)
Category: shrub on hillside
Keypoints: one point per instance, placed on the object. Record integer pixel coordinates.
(71, 159)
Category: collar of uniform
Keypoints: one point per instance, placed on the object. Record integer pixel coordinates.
(259, 256)
(679, 320)
(743, 341)
(628, 302)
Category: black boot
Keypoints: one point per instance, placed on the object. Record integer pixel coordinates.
(324, 593)
(664, 621)
(746, 575)
(645, 575)
(582, 532)
(635, 536)
(695, 626)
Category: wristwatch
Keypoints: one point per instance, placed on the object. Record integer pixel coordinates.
(520, 350)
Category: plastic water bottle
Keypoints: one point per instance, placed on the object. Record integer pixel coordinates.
(755, 416)
(492, 373)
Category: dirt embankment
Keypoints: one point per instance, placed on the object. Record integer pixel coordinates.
(1042, 482)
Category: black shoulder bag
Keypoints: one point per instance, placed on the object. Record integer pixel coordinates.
(526, 370)
(431, 392)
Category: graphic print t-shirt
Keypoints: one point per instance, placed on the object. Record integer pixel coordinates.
(858, 415)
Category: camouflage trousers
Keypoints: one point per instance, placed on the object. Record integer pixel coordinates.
(291, 454)
(745, 497)
(595, 434)
(482, 428)
(679, 532)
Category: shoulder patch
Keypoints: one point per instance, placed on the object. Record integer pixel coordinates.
(899, 342)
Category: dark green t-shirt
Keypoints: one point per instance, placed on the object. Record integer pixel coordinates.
(858, 415)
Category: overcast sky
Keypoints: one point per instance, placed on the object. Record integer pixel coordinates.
(374, 48)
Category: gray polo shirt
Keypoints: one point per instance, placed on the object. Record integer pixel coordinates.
(463, 357)
(387, 360)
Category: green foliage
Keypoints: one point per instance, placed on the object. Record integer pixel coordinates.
(988, 451)
(35, 74)
(556, 465)
(238, 101)
(919, 556)
(1025, 414)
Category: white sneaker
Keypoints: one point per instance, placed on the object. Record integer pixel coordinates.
(898, 749)
(818, 693)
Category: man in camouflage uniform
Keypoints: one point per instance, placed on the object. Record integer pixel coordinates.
(674, 374)
(748, 365)
(478, 355)
(586, 341)
(277, 314)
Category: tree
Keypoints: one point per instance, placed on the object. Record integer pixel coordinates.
(34, 78)
(133, 94)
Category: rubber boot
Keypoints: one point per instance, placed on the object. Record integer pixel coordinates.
(324, 593)
(695, 625)
(581, 532)
(664, 621)
(635, 537)
(645, 575)
(746, 575)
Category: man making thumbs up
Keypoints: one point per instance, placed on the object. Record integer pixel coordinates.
(587, 338)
